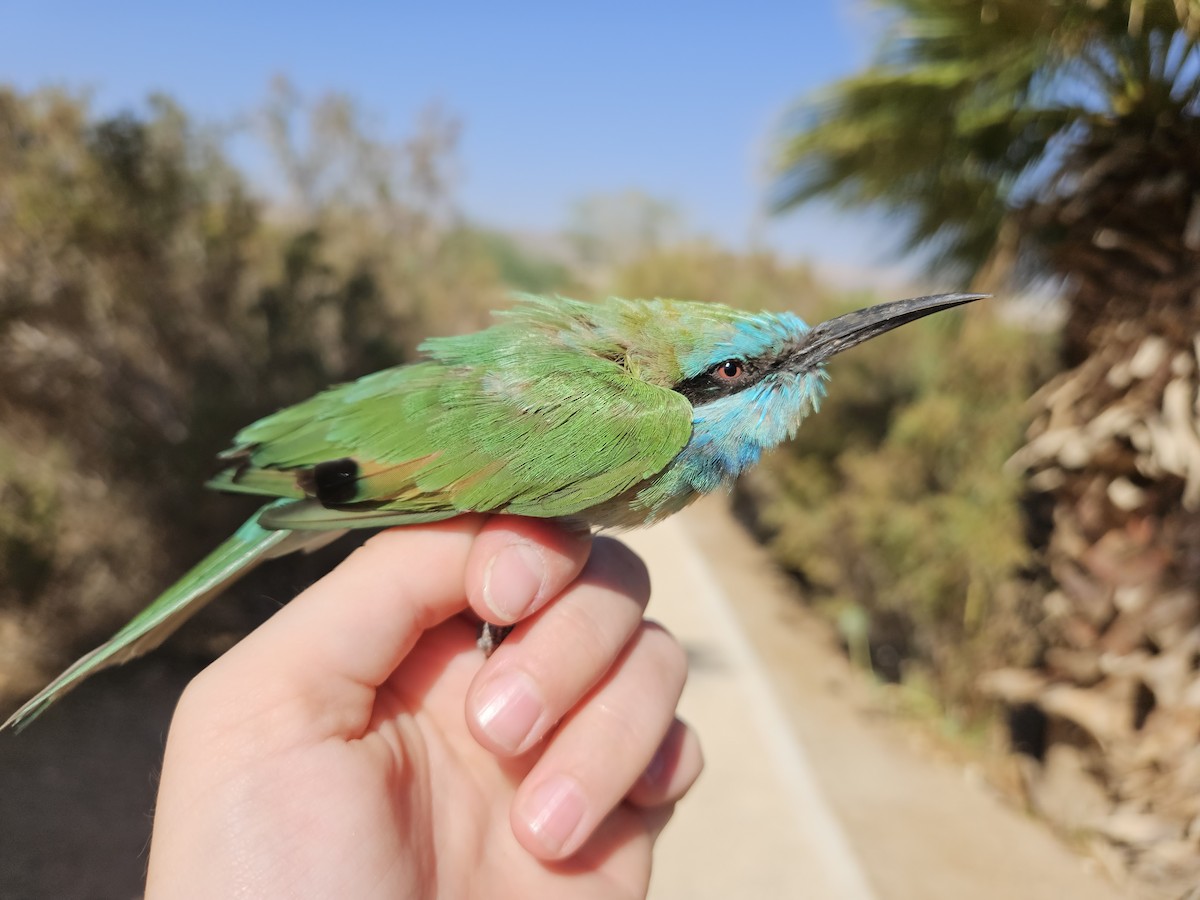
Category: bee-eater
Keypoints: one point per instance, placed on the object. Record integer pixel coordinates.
(611, 414)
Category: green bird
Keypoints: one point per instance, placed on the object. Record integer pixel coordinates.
(609, 415)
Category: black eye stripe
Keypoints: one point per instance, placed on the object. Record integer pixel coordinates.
(709, 385)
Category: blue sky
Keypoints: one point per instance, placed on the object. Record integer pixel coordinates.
(557, 100)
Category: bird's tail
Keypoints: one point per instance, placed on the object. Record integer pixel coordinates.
(248, 546)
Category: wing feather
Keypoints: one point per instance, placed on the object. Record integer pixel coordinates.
(526, 428)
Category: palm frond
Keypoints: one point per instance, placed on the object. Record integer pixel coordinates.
(970, 107)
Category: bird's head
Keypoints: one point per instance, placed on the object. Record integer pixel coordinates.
(751, 387)
(757, 347)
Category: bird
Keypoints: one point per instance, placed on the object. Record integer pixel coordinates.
(608, 415)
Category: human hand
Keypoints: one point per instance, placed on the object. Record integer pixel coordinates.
(356, 746)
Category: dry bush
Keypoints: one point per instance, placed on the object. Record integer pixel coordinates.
(150, 305)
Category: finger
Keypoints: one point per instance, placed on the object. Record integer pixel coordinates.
(517, 564)
(597, 755)
(654, 819)
(353, 627)
(674, 769)
(550, 663)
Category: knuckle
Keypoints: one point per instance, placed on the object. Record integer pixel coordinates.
(698, 767)
(573, 543)
(381, 545)
(622, 568)
(590, 641)
(207, 690)
(624, 729)
(668, 654)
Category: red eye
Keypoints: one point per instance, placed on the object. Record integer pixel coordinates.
(730, 370)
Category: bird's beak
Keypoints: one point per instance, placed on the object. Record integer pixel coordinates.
(830, 338)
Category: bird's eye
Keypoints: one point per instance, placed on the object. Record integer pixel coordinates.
(730, 370)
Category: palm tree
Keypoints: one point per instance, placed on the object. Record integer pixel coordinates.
(1020, 139)
(1040, 134)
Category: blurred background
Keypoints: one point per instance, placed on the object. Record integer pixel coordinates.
(207, 213)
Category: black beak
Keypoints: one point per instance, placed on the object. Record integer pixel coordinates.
(832, 337)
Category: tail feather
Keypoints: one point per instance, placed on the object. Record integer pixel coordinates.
(248, 546)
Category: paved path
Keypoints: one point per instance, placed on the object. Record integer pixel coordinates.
(756, 825)
(806, 794)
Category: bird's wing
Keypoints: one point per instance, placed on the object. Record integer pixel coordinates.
(544, 433)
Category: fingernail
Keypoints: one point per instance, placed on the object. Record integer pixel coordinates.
(508, 708)
(512, 580)
(553, 812)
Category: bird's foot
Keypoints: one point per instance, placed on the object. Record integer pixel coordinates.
(490, 637)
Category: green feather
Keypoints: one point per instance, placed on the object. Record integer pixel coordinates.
(540, 415)
(530, 426)
(561, 409)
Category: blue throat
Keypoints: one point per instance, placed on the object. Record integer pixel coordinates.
(730, 434)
